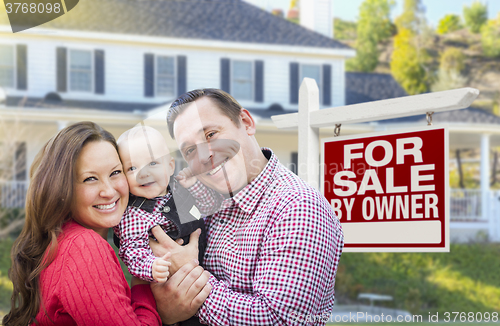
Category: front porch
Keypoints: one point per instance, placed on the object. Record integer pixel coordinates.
(473, 217)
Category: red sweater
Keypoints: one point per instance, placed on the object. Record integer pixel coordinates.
(85, 285)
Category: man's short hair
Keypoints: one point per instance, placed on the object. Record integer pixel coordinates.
(225, 102)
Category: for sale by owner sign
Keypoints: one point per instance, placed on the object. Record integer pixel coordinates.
(389, 190)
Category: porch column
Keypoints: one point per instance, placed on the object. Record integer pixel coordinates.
(485, 180)
(61, 124)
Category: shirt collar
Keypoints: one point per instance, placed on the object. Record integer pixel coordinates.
(248, 197)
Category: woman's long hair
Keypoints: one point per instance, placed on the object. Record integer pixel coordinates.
(48, 207)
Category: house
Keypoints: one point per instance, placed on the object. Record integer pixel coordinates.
(120, 62)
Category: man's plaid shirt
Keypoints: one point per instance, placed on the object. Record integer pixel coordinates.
(273, 251)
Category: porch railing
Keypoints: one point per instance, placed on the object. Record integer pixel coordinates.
(13, 193)
(465, 204)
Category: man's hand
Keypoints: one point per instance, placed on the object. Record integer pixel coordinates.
(182, 295)
(180, 255)
(160, 268)
(186, 178)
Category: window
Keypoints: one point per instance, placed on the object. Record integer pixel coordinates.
(242, 80)
(80, 70)
(6, 66)
(165, 76)
(311, 71)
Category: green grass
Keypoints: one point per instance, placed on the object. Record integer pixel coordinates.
(466, 279)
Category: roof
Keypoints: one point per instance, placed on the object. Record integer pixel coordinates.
(366, 87)
(222, 20)
(470, 115)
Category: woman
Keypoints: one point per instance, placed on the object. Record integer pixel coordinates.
(63, 270)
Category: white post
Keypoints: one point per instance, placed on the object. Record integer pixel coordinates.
(485, 181)
(308, 160)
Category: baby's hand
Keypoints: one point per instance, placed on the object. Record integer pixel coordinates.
(186, 178)
(161, 268)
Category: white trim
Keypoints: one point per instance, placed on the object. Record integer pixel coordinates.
(182, 42)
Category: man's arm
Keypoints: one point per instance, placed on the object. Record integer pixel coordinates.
(295, 272)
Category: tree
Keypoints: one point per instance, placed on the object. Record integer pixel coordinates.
(475, 16)
(490, 38)
(449, 74)
(449, 23)
(407, 63)
(413, 16)
(344, 30)
(374, 26)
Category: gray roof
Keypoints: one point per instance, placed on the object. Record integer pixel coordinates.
(224, 20)
(366, 87)
(35, 102)
(470, 115)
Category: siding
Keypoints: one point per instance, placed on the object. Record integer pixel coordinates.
(124, 71)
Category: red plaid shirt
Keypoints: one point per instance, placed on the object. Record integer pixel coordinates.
(273, 251)
(134, 232)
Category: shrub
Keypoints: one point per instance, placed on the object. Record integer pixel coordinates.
(449, 23)
(475, 16)
(344, 30)
(490, 38)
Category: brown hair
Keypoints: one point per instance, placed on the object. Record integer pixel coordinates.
(48, 207)
(225, 102)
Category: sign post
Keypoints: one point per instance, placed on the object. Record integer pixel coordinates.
(308, 121)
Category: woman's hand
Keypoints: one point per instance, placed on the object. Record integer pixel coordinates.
(181, 255)
(182, 295)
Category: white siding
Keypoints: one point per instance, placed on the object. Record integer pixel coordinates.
(124, 71)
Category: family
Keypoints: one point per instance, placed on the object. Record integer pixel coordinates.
(234, 239)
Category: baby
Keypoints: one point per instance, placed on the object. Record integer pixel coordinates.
(148, 167)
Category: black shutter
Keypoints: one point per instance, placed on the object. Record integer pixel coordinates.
(61, 69)
(295, 162)
(225, 77)
(22, 66)
(294, 83)
(327, 85)
(99, 71)
(181, 74)
(259, 81)
(149, 75)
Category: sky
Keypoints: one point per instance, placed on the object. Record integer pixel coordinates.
(434, 9)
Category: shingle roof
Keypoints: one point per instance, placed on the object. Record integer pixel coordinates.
(366, 87)
(224, 20)
(470, 115)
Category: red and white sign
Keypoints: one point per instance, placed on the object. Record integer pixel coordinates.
(389, 190)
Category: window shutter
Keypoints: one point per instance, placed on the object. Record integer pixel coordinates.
(20, 162)
(61, 69)
(294, 83)
(22, 66)
(295, 162)
(149, 75)
(181, 74)
(259, 81)
(327, 85)
(225, 77)
(99, 71)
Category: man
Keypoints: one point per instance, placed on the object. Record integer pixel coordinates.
(274, 242)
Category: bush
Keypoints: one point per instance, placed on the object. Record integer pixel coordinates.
(407, 63)
(343, 29)
(490, 38)
(452, 59)
(449, 23)
(475, 16)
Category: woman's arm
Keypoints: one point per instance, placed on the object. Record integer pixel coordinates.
(94, 290)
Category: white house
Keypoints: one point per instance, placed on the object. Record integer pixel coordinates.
(120, 62)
